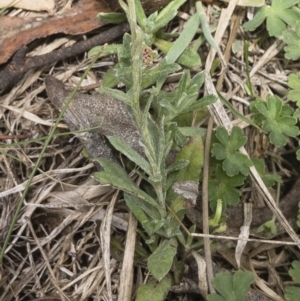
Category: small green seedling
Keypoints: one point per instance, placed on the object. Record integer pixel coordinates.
(277, 16)
(275, 118)
(292, 293)
(227, 150)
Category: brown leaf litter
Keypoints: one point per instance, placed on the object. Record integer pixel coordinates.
(61, 243)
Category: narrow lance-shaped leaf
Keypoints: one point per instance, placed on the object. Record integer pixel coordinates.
(130, 153)
(160, 262)
(116, 176)
(154, 290)
(141, 209)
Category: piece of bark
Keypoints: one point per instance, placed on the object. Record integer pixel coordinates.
(97, 110)
(16, 32)
(20, 64)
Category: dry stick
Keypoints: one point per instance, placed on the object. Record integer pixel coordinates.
(272, 242)
(210, 272)
(233, 32)
(15, 70)
(105, 235)
(126, 276)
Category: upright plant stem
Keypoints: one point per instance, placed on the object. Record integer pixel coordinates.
(137, 36)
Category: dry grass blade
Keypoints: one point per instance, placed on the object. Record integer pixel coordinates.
(126, 276)
(74, 238)
(105, 235)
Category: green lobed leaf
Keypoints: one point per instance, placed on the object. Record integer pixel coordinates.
(269, 228)
(294, 85)
(295, 271)
(160, 261)
(275, 119)
(224, 187)
(258, 19)
(228, 150)
(233, 288)
(292, 293)
(292, 39)
(154, 290)
(280, 13)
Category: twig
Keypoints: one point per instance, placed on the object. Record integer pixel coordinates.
(19, 65)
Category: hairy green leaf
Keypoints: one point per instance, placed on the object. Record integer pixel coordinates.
(280, 13)
(228, 150)
(160, 262)
(154, 290)
(233, 288)
(223, 187)
(193, 152)
(116, 176)
(276, 119)
(292, 293)
(294, 84)
(291, 36)
(130, 153)
(141, 209)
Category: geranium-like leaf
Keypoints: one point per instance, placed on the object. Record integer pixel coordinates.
(233, 288)
(291, 36)
(292, 293)
(224, 187)
(280, 13)
(228, 150)
(277, 119)
(294, 85)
